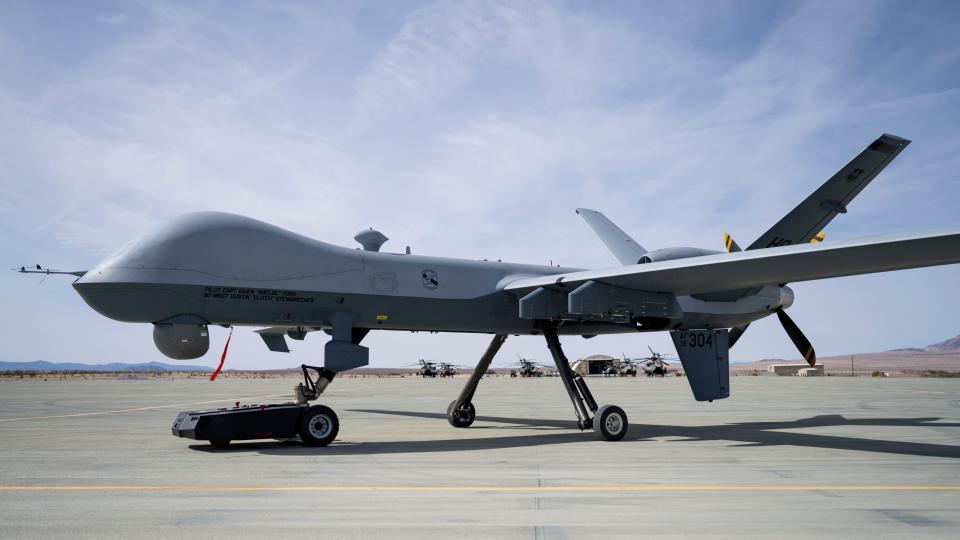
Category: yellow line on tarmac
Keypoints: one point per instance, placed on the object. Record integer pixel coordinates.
(499, 489)
(134, 409)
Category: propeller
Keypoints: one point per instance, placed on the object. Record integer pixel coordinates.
(796, 336)
(800, 340)
(736, 332)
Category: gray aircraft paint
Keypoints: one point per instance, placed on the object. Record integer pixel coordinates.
(233, 270)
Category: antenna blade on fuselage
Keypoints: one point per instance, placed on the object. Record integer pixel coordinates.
(624, 249)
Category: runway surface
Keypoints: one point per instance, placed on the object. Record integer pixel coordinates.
(784, 457)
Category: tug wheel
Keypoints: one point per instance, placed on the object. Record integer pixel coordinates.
(319, 426)
(220, 443)
(463, 417)
(610, 423)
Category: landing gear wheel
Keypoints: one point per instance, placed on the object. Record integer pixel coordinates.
(610, 423)
(463, 417)
(319, 426)
(220, 443)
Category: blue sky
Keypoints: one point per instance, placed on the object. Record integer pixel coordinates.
(473, 129)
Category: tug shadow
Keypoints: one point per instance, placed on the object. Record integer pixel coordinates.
(565, 432)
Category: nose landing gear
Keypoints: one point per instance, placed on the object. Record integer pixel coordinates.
(461, 412)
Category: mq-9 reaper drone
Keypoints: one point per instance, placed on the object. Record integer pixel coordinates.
(228, 270)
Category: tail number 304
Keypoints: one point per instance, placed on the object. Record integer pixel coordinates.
(696, 340)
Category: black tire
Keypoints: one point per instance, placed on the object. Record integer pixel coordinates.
(462, 418)
(319, 426)
(610, 423)
(220, 443)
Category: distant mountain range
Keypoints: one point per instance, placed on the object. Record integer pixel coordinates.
(113, 366)
(952, 344)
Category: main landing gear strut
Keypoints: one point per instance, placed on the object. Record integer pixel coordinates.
(609, 421)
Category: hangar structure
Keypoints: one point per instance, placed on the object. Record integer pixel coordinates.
(598, 364)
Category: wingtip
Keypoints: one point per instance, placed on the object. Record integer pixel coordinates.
(902, 140)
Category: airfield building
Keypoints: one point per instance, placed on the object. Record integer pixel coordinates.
(802, 370)
(597, 364)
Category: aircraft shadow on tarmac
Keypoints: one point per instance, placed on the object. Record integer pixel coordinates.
(749, 434)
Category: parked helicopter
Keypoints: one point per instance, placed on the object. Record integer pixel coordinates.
(628, 367)
(427, 368)
(527, 368)
(656, 364)
(448, 370)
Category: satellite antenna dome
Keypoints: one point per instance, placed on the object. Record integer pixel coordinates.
(370, 239)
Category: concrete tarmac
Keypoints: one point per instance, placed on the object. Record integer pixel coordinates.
(783, 457)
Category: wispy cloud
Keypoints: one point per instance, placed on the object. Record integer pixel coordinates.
(113, 19)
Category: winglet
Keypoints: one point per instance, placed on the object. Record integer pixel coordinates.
(624, 249)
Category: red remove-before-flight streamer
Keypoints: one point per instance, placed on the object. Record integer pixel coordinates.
(222, 357)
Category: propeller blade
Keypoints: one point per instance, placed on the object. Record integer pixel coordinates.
(736, 332)
(730, 243)
(800, 340)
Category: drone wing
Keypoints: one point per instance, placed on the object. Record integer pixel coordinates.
(803, 223)
(727, 271)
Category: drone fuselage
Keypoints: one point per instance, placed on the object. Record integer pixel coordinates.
(230, 270)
